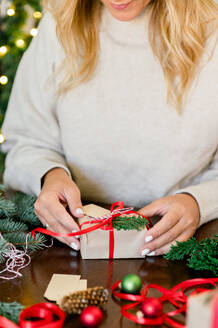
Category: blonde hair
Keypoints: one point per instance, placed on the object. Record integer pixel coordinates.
(178, 34)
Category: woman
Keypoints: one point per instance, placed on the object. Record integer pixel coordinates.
(117, 100)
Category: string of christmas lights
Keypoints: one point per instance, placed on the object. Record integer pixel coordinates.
(19, 22)
(20, 43)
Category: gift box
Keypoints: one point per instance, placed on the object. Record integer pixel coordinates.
(203, 310)
(121, 237)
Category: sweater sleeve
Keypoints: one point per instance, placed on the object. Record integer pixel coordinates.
(205, 191)
(33, 141)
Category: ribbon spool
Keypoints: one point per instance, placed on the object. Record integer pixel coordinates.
(175, 296)
(48, 315)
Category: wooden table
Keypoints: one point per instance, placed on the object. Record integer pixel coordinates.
(30, 288)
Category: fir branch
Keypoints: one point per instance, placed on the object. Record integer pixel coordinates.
(134, 222)
(19, 240)
(11, 311)
(25, 208)
(201, 255)
(17, 217)
(205, 256)
(9, 225)
(3, 249)
(181, 249)
(203, 263)
(2, 189)
(7, 208)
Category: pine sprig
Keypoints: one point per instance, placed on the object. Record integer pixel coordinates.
(181, 249)
(3, 248)
(2, 189)
(18, 239)
(25, 208)
(201, 255)
(205, 256)
(134, 222)
(9, 226)
(11, 311)
(17, 218)
(210, 263)
(7, 208)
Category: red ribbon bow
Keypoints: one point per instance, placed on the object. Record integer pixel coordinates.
(49, 316)
(175, 296)
(104, 223)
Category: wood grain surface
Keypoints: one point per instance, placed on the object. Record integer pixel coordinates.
(30, 288)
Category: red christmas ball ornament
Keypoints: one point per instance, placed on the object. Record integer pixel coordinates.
(91, 316)
(152, 307)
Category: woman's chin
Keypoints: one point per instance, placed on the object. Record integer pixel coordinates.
(123, 13)
(124, 16)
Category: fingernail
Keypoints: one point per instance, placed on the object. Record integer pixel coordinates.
(75, 231)
(145, 251)
(149, 238)
(151, 254)
(74, 246)
(79, 211)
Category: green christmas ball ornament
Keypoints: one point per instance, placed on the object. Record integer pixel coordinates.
(131, 284)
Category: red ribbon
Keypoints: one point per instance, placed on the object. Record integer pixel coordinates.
(215, 312)
(117, 209)
(176, 296)
(48, 315)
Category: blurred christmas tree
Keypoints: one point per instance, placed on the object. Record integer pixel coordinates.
(18, 25)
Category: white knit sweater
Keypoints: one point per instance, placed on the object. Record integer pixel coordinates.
(114, 134)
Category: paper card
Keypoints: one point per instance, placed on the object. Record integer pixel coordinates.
(64, 284)
(94, 210)
(82, 285)
(201, 309)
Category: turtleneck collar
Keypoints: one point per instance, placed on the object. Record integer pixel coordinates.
(133, 32)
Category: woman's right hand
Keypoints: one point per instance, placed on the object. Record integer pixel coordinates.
(58, 192)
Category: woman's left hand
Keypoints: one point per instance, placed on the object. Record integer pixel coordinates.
(180, 219)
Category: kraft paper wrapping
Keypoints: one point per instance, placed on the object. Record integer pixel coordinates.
(95, 244)
(201, 310)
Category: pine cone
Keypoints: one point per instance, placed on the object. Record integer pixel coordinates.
(76, 302)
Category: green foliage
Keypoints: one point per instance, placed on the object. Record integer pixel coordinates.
(17, 218)
(11, 226)
(11, 311)
(3, 249)
(12, 28)
(182, 249)
(25, 209)
(7, 208)
(2, 156)
(201, 255)
(2, 189)
(18, 239)
(130, 223)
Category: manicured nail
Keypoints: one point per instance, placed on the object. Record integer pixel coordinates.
(75, 231)
(145, 251)
(79, 211)
(149, 238)
(151, 254)
(74, 246)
